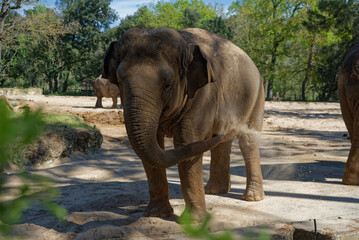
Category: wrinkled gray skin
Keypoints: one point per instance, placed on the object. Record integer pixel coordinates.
(348, 89)
(198, 88)
(104, 88)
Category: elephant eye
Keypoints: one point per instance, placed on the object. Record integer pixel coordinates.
(166, 76)
(166, 87)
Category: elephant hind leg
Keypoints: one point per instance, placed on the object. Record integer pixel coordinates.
(219, 179)
(249, 145)
(114, 99)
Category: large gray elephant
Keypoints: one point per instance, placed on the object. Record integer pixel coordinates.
(202, 91)
(348, 89)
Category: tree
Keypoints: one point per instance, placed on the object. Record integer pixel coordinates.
(83, 51)
(264, 28)
(341, 18)
(6, 7)
(177, 14)
(219, 26)
(32, 52)
(191, 17)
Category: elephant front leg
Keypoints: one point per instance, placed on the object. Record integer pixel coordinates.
(219, 178)
(192, 186)
(159, 205)
(351, 169)
(249, 145)
(98, 102)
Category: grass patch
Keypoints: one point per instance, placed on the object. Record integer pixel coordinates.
(71, 121)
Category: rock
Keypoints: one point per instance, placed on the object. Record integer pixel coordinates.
(88, 140)
(32, 106)
(61, 141)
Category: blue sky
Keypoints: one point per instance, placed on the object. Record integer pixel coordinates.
(128, 7)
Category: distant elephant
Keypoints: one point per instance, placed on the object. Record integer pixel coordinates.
(104, 88)
(348, 89)
(202, 91)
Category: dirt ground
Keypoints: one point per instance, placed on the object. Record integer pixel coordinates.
(304, 147)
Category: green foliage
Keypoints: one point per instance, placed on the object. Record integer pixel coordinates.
(16, 131)
(84, 49)
(177, 14)
(297, 45)
(191, 18)
(201, 230)
(263, 28)
(21, 131)
(218, 25)
(55, 50)
(33, 56)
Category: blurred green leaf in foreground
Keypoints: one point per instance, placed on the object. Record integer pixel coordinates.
(17, 196)
(202, 230)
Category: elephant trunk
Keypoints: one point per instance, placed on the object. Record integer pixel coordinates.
(142, 127)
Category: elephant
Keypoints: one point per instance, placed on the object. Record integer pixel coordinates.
(104, 88)
(348, 91)
(199, 89)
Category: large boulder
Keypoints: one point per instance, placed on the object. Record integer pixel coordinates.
(61, 141)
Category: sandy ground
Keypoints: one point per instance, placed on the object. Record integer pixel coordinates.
(304, 147)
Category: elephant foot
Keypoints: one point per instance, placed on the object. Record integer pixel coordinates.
(158, 209)
(198, 214)
(350, 178)
(215, 187)
(253, 192)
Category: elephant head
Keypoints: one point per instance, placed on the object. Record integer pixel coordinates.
(157, 71)
(350, 64)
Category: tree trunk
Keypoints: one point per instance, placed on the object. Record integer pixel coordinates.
(66, 83)
(56, 85)
(1, 36)
(65, 86)
(51, 88)
(272, 69)
(265, 87)
(309, 68)
(274, 56)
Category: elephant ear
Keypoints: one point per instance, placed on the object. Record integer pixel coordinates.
(111, 62)
(199, 70)
(356, 66)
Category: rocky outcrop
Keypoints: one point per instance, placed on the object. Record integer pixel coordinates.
(61, 141)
